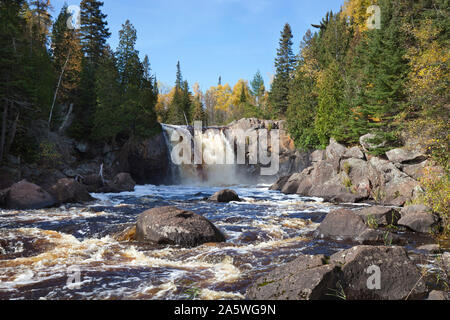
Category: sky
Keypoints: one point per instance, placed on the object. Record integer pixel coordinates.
(211, 38)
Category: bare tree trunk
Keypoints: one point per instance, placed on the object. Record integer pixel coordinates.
(57, 88)
(63, 126)
(3, 135)
(12, 134)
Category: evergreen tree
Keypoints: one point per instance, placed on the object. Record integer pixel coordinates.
(284, 64)
(384, 74)
(258, 88)
(94, 29)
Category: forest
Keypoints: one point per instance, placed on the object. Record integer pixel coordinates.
(347, 79)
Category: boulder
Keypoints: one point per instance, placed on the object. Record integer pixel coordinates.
(400, 278)
(334, 153)
(438, 296)
(291, 186)
(173, 226)
(278, 185)
(305, 278)
(404, 155)
(342, 224)
(226, 195)
(367, 143)
(430, 248)
(26, 195)
(70, 191)
(123, 182)
(354, 152)
(382, 216)
(93, 183)
(357, 171)
(418, 218)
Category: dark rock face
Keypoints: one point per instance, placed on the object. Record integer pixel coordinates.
(418, 218)
(305, 278)
(226, 195)
(344, 224)
(173, 226)
(278, 185)
(70, 191)
(400, 278)
(347, 274)
(122, 182)
(146, 161)
(26, 195)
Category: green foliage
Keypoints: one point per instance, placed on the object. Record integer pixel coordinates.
(48, 155)
(284, 64)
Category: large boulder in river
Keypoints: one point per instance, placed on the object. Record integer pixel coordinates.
(226, 195)
(341, 224)
(122, 182)
(173, 226)
(305, 278)
(26, 195)
(399, 277)
(70, 191)
(381, 216)
(418, 218)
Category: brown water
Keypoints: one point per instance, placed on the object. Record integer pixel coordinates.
(40, 249)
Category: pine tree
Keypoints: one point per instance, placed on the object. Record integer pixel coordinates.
(258, 88)
(384, 75)
(94, 29)
(284, 64)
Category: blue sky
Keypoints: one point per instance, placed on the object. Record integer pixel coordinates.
(230, 38)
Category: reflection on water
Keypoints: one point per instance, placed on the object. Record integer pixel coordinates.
(266, 230)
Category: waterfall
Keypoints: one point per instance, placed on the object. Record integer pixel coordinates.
(212, 169)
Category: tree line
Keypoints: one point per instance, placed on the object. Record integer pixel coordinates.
(66, 78)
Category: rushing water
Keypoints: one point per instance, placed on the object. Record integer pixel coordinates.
(39, 248)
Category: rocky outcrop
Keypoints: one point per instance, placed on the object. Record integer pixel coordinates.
(70, 191)
(418, 218)
(362, 272)
(173, 226)
(305, 278)
(341, 174)
(26, 195)
(400, 279)
(291, 160)
(122, 182)
(226, 195)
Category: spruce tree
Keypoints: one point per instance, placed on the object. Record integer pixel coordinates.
(258, 88)
(284, 64)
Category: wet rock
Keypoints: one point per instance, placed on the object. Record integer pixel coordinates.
(122, 182)
(26, 195)
(382, 216)
(438, 295)
(342, 224)
(291, 185)
(226, 195)
(70, 191)
(278, 185)
(403, 155)
(418, 218)
(305, 278)
(93, 182)
(399, 276)
(173, 226)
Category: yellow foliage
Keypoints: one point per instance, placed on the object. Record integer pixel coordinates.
(356, 12)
